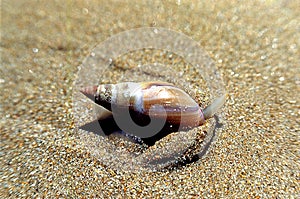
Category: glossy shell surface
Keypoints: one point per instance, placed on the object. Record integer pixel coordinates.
(158, 99)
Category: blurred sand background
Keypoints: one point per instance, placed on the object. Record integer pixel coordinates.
(255, 45)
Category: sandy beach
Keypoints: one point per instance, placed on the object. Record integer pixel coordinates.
(255, 46)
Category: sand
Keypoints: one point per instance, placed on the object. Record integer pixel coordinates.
(255, 46)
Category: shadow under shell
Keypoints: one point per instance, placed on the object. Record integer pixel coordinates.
(109, 126)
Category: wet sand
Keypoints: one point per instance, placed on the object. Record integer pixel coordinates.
(255, 46)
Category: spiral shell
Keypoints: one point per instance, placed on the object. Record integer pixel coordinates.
(158, 100)
(139, 98)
